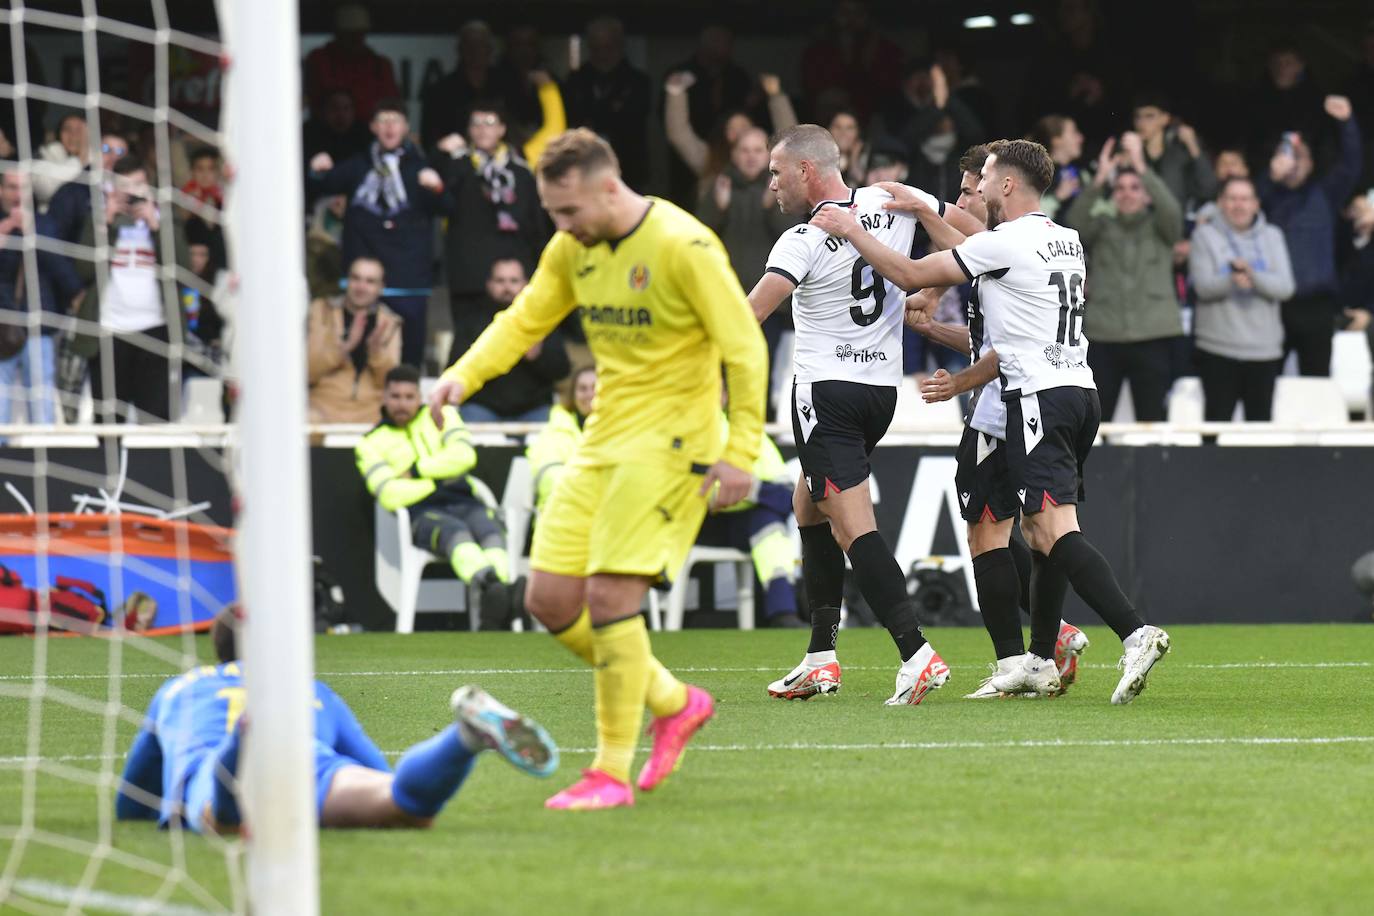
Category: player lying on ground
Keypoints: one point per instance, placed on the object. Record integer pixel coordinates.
(662, 310)
(848, 366)
(183, 765)
(1031, 280)
(987, 497)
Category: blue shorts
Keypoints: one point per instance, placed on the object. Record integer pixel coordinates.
(200, 785)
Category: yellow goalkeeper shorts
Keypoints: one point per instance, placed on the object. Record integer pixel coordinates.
(630, 519)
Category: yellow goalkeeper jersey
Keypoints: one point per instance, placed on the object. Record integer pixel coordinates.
(662, 310)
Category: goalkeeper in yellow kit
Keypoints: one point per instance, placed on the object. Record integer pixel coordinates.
(662, 310)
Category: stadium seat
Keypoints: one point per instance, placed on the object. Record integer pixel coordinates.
(744, 583)
(1186, 401)
(399, 569)
(915, 415)
(1352, 369)
(1307, 402)
(203, 401)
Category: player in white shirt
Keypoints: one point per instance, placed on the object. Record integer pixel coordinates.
(848, 360)
(1002, 564)
(1031, 293)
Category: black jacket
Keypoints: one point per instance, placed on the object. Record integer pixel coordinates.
(529, 383)
(474, 238)
(58, 282)
(402, 241)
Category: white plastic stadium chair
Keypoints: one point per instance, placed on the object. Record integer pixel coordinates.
(744, 584)
(202, 403)
(1186, 402)
(1351, 368)
(1307, 402)
(399, 570)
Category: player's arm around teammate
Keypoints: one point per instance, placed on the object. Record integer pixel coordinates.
(938, 269)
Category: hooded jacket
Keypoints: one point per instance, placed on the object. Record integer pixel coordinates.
(1233, 322)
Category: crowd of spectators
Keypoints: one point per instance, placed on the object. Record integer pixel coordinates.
(1217, 248)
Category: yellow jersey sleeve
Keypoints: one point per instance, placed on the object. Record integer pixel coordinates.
(538, 309)
(702, 269)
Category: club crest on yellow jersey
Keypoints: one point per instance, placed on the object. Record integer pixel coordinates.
(639, 277)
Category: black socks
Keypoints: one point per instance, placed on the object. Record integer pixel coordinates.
(883, 586)
(823, 574)
(999, 588)
(1092, 578)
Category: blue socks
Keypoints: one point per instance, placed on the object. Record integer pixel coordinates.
(429, 774)
(223, 804)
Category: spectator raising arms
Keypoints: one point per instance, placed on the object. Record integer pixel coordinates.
(706, 158)
(496, 213)
(1132, 315)
(1173, 153)
(393, 198)
(1239, 268)
(1307, 207)
(136, 315)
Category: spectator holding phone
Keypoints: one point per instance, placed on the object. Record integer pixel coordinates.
(1172, 151)
(1240, 271)
(1132, 315)
(1307, 207)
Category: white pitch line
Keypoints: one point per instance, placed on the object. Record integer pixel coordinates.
(53, 892)
(1027, 744)
(435, 672)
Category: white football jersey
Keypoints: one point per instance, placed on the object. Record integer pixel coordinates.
(1031, 276)
(848, 319)
(987, 411)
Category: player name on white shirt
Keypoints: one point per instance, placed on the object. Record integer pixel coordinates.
(848, 319)
(1031, 274)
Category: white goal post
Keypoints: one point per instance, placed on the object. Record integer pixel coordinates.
(273, 556)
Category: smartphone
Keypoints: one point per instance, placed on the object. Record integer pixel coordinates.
(1289, 145)
(136, 202)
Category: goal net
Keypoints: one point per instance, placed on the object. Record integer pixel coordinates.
(152, 445)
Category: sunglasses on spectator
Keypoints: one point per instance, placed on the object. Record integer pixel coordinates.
(116, 150)
(484, 121)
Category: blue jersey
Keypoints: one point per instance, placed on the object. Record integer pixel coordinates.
(190, 716)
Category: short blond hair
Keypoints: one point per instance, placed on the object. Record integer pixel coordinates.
(579, 149)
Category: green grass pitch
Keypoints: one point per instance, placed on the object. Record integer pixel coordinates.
(1239, 782)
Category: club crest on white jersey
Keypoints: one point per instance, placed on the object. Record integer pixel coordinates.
(848, 318)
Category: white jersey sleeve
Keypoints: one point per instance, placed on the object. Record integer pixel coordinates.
(794, 252)
(848, 319)
(1031, 275)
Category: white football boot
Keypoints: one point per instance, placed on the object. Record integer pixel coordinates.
(819, 672)
(1144, 647)
(923, 672)
(1001, 669)
(1030, 674)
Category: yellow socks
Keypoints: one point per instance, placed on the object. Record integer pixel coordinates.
(622, 679)
(666, 695)
(577, 638)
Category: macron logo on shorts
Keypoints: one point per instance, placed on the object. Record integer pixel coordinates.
(805, 413)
